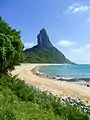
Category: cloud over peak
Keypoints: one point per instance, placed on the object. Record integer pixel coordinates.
(76, 8)
(28, 45)
(65, 43)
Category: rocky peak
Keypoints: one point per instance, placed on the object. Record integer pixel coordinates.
(43, 39)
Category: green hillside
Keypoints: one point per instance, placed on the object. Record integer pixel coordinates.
(37, 55)
(44, 51)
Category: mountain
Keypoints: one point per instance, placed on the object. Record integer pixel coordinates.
(44, 51)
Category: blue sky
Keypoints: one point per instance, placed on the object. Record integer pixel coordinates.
(66, 21)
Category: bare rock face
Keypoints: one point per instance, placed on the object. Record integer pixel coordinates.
(43, 39)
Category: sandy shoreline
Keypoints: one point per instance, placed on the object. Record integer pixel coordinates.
(59, 88)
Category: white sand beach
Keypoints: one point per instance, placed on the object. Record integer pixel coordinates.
(59, 88)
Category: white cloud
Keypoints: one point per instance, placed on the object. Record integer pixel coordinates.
(75, 8)
(84, 50)
(87, 46)
(77, 50)
(28, 45)
(88, 20)
(81, 54)
(65, 43)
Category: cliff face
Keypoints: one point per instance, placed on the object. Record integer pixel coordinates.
(43, 39)
(44, 51)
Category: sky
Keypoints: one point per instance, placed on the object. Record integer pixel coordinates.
(67, 23)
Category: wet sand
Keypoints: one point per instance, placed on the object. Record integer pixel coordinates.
(28, 73)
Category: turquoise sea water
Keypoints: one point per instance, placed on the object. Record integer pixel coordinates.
(67, 71)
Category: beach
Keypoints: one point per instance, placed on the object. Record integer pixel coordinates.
(63, 89)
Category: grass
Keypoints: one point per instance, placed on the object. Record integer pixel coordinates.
(18, 101)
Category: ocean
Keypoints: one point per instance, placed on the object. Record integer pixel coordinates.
(67, 71)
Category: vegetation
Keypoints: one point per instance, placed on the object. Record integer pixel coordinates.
(42, 55)
(10, 47)
(18, 101)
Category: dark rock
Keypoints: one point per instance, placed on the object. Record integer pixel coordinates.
(88, 85)
(78, 102)
(43, 39)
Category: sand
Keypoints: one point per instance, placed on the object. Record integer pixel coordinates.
(59, 88)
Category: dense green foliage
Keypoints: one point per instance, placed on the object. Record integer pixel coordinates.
(42, 55)
(10, 47)
(18, 101)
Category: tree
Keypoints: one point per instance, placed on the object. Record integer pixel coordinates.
(11, 47)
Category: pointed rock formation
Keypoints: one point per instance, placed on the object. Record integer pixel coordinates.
(44, 51)
(43, 39)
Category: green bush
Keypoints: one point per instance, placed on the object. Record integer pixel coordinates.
(11, 47)
(18, 101)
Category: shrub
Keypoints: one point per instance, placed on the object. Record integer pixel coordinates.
(31, 102)
(11, 47)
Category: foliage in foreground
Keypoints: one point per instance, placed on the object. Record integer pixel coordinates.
(19, 101)
(11, 47)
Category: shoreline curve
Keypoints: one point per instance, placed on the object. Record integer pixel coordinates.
(63, 89)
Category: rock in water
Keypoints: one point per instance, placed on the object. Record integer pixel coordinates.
(44, 51)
